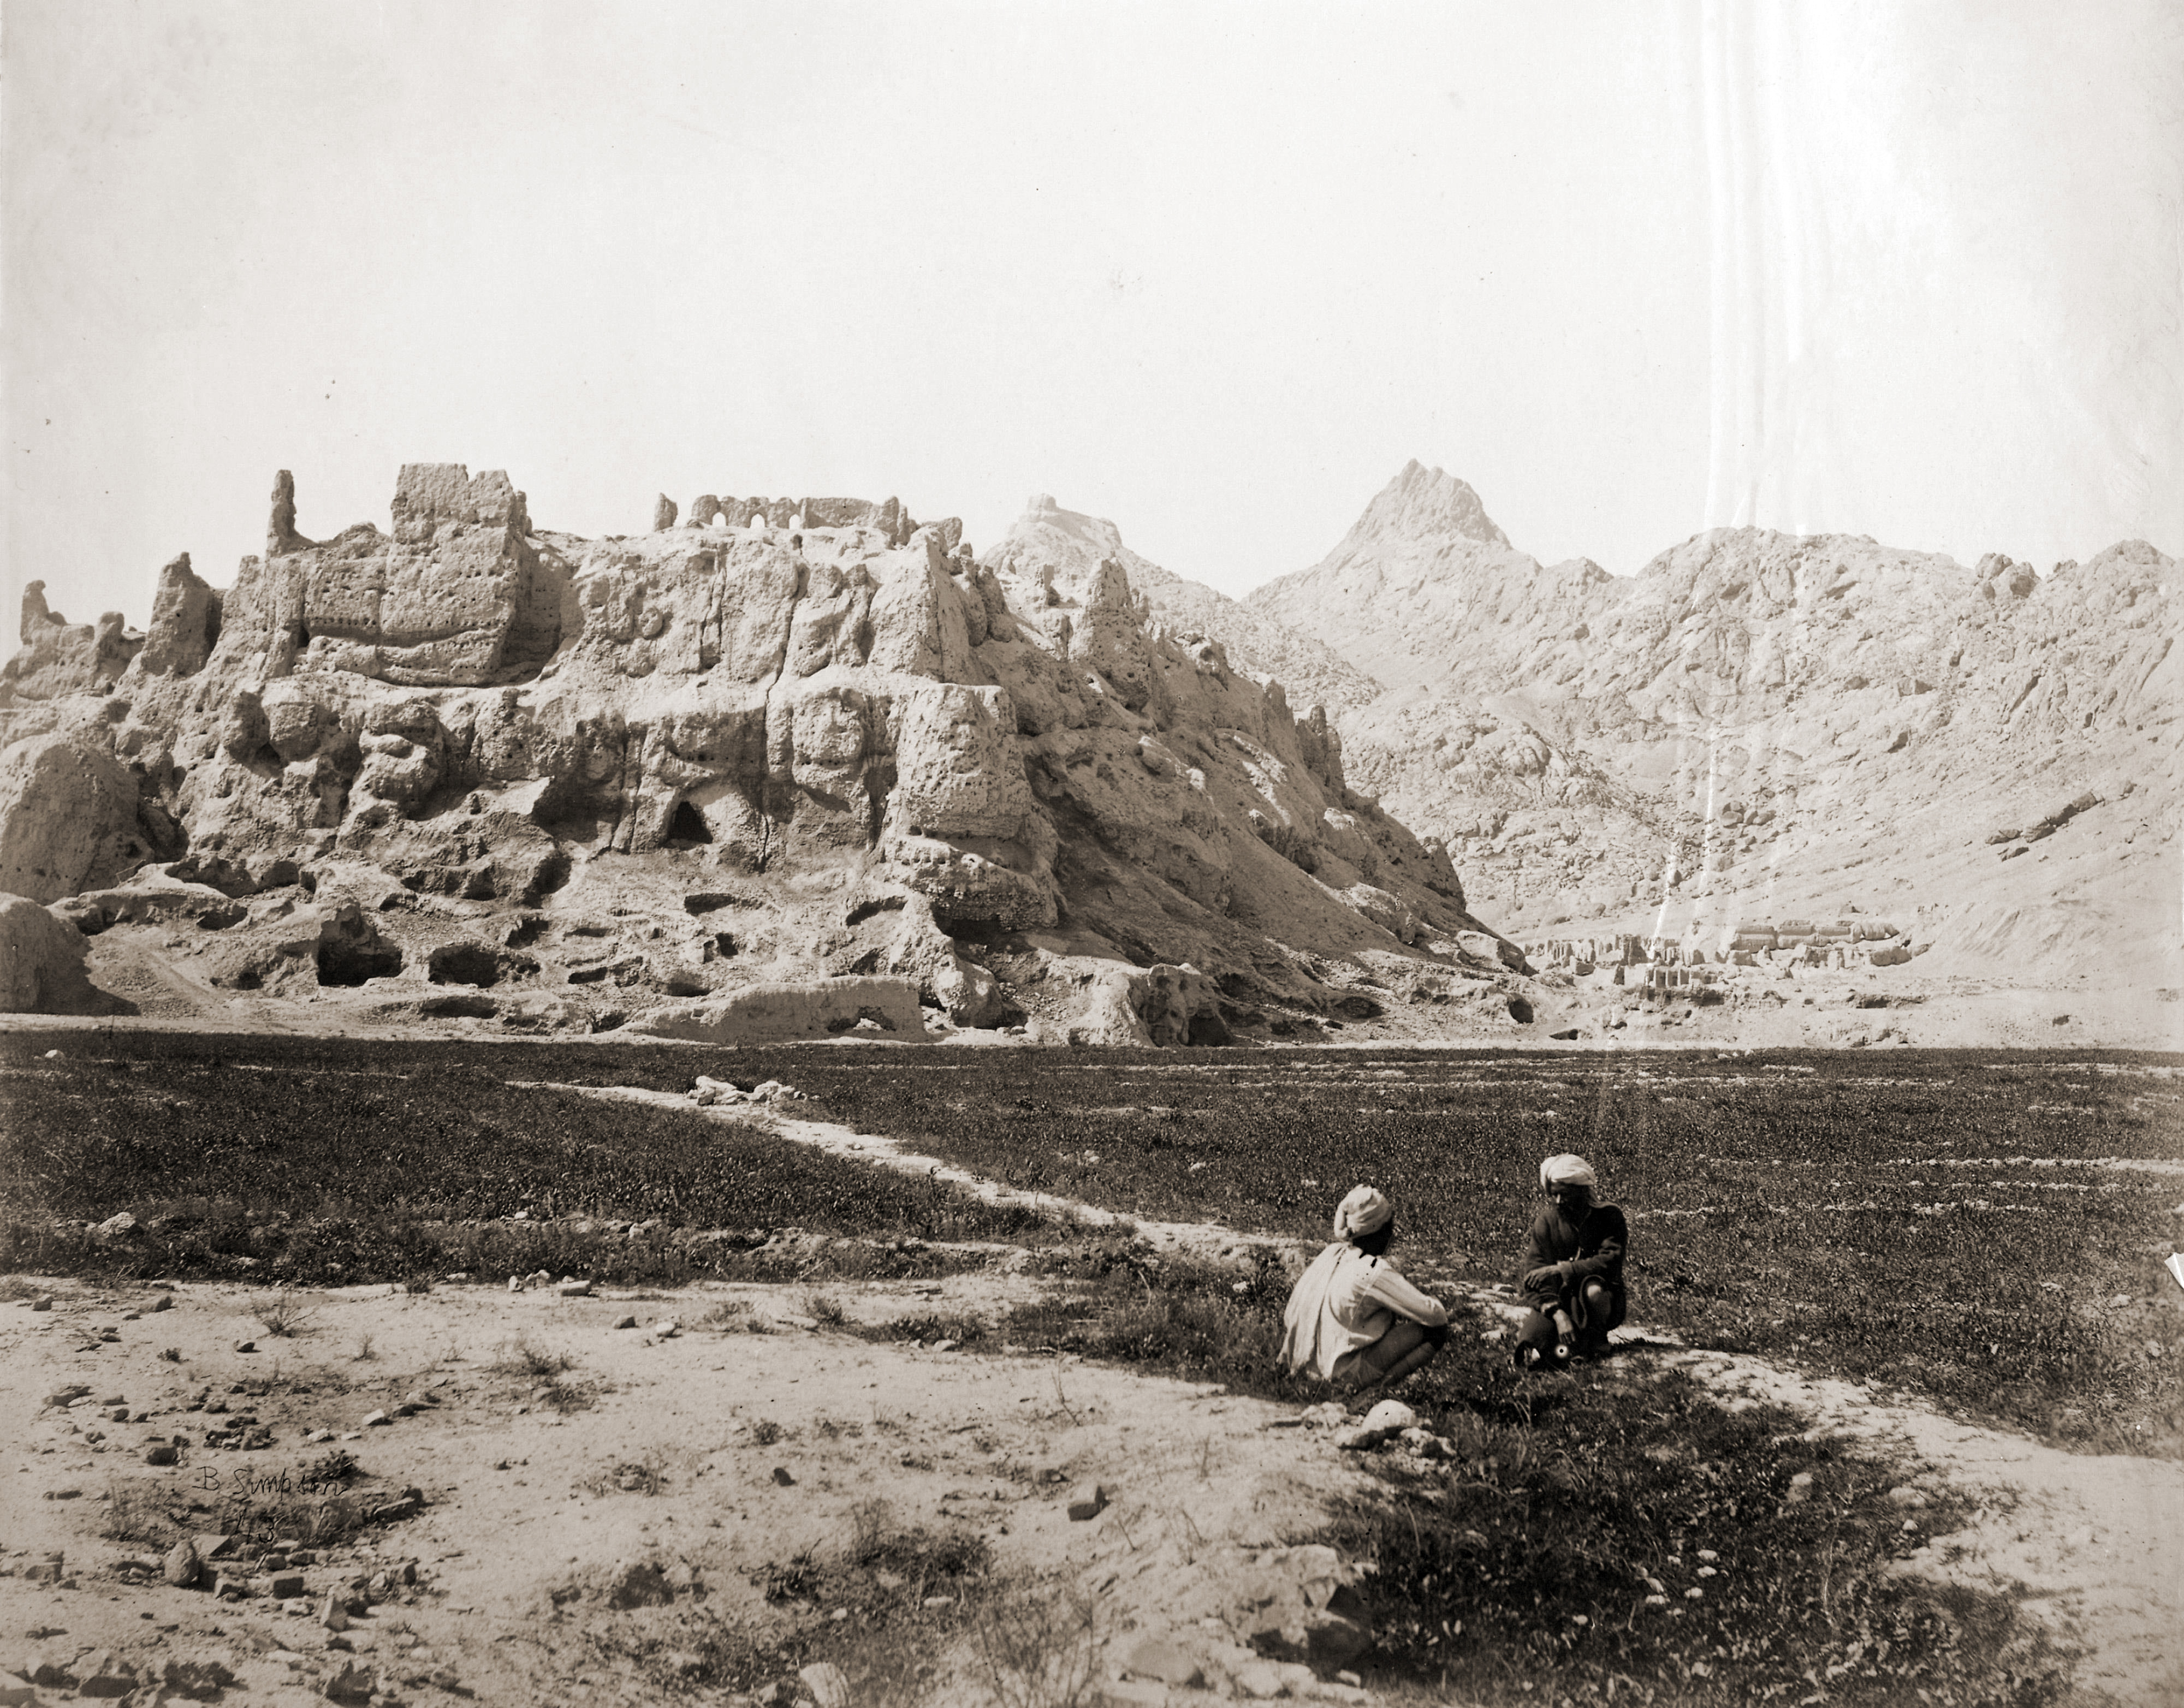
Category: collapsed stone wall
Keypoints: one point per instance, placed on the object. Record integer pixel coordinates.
(59, 659)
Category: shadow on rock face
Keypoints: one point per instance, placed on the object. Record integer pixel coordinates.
(348, 963)
(459, 963)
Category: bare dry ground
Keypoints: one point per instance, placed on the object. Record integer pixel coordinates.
(722, 1450)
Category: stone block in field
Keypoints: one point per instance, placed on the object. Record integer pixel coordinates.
(874, 1008)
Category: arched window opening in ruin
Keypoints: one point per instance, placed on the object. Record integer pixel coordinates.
(688, 826)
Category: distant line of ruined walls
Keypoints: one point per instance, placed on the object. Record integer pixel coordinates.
(1845, 943)
(888, 518)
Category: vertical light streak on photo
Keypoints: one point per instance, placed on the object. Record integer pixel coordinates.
(1761, 769)
(1737, 389)
(1706, 821)
(1675, 811)
(1667, 884)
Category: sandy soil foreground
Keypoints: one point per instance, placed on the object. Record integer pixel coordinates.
(717, 1452)
(522, 1503)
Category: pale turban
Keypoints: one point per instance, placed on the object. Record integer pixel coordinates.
(1366, 1210)
(1567, 1170)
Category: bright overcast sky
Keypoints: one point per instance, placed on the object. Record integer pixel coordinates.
(1632, 269)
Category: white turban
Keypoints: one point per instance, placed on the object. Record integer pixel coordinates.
(1366, 1210)
(1567, 1170)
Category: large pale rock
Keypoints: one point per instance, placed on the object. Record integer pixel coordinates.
(403, 745)
(914, 946)
(41, 969)
(961, 773)
(1108, 1018)
(966, 888)
(1301, 1604)
(970, 994)
(68, 818)
(919, 623)
(297, 721)
(1384, 909)
(1162, 1005)
(151, 900)
(1482, 945)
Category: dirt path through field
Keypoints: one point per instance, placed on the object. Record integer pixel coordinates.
(2095, 1542)
(1208, 1239)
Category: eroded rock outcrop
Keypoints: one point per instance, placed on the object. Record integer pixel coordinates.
(185, 623)
(59, 659)
(68, 817)
(481, 736)
(41, 965)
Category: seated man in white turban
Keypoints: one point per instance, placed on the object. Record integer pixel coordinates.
(1571, 1273)
(1352, 1317)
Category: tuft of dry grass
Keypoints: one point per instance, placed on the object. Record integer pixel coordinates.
(523, 1356)
(645, 1475)
(1038, 1647)
(282, 1314)
(135, 1512)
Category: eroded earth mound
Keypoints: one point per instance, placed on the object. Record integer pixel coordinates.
(803, 764)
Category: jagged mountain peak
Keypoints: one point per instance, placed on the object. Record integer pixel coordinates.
(1423, 503)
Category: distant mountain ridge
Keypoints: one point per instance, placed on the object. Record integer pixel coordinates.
(1749, 717)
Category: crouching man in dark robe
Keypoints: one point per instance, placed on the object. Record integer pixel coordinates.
(1571, 1273)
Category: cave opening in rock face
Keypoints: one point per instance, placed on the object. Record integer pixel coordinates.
(688, 826)
(463, 963)
(351, 964)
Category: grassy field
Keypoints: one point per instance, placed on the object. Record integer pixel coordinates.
(1962, 1224)
(248, 1162)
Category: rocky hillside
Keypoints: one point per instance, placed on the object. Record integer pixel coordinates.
(794, 765)
(1312, 672)
(1760, 727)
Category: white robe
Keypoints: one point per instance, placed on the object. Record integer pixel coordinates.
(1343, 1303)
